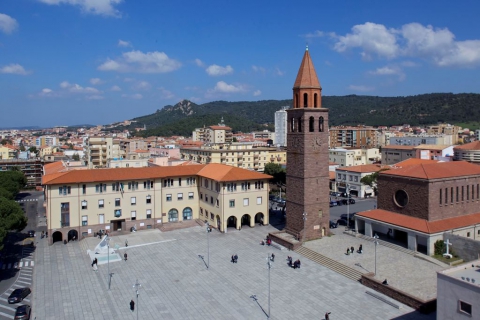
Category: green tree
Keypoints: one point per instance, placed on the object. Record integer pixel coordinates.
(277, 171)
(76, 157)
(4, 193)
(33, 149)
(371, 179)
(11, 218)
(12, 181)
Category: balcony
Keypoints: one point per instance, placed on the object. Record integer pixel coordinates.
(255, 161)
(240, 161)
(255, 156)
(223, 157)
(240, 156)
(64, 224)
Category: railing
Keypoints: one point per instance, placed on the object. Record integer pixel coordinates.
(64, 224)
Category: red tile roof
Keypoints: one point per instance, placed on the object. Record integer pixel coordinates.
(399, 147)
(475, 145)
(220, 128)
(364, 168)
(436, 170)
(218, 172)
(413, 161)
(421, 225)
(306, 76)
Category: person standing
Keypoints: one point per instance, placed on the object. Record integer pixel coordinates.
(126, 243)
(327, 315)
(95, 262)
(125, 256)
(235, 258)
(132, 305)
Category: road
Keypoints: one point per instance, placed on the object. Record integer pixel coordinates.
(17, 268)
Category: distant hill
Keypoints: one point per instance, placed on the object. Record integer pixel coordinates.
(246, 116)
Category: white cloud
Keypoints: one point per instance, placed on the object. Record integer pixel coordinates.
(65, 84)
(46, 92)
(199, 63)
(372, 38)
(142, 85)
(256, 93)
(389, 71)
(315, 34)
(76, 88)
(279, 72)
(436, 45)
(215, 70)
(7, 23)
(13, 68)
(136, 96)
(124, 44)
(258, 69)
(96, 81)
(224, 87)
(100, 7)
(360, 88)
(137, 61)
(166, 94)
(115, 88)
(409, 64)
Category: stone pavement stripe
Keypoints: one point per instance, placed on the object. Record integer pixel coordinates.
(8, 316)
(24, 282)
(7, 307)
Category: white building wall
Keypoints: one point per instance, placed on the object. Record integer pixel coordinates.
(281, 127)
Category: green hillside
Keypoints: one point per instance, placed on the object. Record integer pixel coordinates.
(246, 116)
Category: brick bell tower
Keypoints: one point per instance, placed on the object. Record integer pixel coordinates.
(307, 158)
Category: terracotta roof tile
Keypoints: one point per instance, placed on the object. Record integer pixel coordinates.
(432, 146)
(220, 128)
(331, 175)
(364, 168)
(413, 161)
(399, 147)
(53, 167)
(475, 145)
(436, 170)
(306, 76)
(421, 225)
(217, 172)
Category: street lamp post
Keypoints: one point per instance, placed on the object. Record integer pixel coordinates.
(137, 287)
(348, 207)
(108, 262)
(376, 243)
(304, 226)
(269, 265)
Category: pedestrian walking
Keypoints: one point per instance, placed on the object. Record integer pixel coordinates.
(272, 257)
(235, 258)
(327, 315)
(95, 262)
(126, 243)
(125, 256)
(132, 305)
(352, 249)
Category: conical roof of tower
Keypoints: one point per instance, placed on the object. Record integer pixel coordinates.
(307, 77)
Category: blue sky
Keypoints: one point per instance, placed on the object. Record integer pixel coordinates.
(65, 62)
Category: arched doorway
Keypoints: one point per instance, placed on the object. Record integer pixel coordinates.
(72, 235)
(173, 215)
(232, 222)
(245, 220)
(259, 218)
(57, 236)
(187, 213)
(218, 221)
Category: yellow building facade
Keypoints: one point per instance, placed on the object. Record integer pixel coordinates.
(84, 202)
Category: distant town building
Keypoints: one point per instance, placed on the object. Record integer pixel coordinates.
(32, 168)
(220, 134)
(353, 157)
(434, 152)
(355, 137)
(416, 140)
(46, 141)
(99, 150)
(8, 152)
(395, 153)
(468, 152)
(281, 127)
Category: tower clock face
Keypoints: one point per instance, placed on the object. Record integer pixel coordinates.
(316, 143)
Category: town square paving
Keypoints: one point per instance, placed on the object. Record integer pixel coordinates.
(175, 283)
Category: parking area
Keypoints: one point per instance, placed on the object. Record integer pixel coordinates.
(175, 283)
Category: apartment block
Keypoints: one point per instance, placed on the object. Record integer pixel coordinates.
(353, 157)
(99, 150)
(355, 137)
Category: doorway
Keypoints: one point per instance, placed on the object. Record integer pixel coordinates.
(117, 225)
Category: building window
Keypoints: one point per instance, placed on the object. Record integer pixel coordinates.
(179, 196)
(101, 218)
(259, 200)
(117, 213)
(133, 215)
(100, 203)
(465, 307)
(311, 124)
(84, 220)
(168, 183)
(172, 215)
(218, 203)
(84, 189)
(245, 202)
(179, 182)
(446, 195)
(149, 213)
(468, 192)
(206, 198)
(462, 193)
(133, 201)
(320, 124)
(201, 196)
(356, 179)
(201, 212)
(441, 196)
(169, 197)
(149, 199)
(117, 202)
(64, 190)
(232, 205)
(190, 195)
(468, 234)
(187, 214)
(211, 200)
(211, 216)
(451, 195)
(84, 205)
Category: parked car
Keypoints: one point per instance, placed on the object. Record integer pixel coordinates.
(339, 202)
(333, 204)
(271, 197)
(23, 312)
(341, 222)
(352, 201)
(333, 224)
(18, 295)
(31, 233)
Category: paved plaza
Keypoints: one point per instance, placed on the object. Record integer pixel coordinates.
(402, 271)
(177, 285)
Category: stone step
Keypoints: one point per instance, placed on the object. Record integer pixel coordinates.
(388, 244)
(330, 263)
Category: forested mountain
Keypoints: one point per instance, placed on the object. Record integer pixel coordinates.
(246, 116)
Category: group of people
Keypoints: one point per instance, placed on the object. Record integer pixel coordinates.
(234, 258)
(44, 234)
(293, 264)
(267, 241)
(351, 250)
